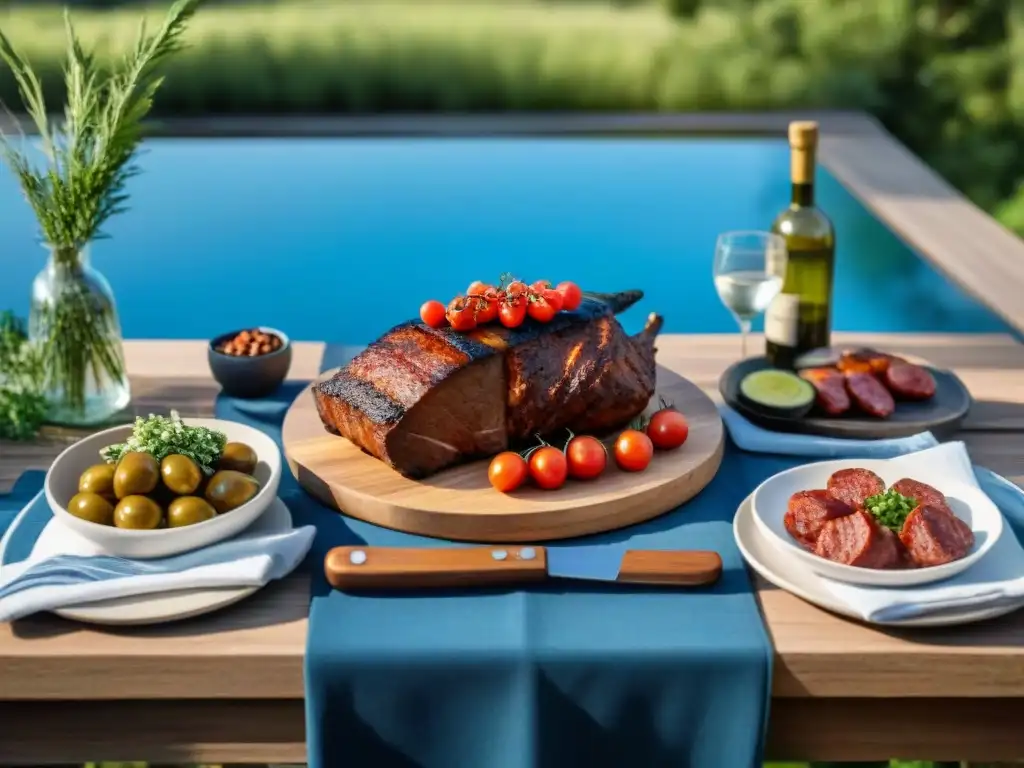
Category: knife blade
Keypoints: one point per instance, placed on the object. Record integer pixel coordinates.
(383, 568)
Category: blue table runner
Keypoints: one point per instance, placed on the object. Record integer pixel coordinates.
(568, 675)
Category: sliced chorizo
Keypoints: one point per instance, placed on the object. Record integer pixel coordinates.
(935, 536)
(921, 493)
(910, 382)
(858, 540)
(870, 395)
(830, 389)
(808, 511)
(854, 486)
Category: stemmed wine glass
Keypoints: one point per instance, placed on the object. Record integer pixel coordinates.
(749, 269)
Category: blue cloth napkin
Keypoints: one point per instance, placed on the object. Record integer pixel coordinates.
(755, 439)
(601, 676)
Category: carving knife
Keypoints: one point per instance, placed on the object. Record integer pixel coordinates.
(384, 568)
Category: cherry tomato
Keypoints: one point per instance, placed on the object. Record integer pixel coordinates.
(511, 313)
(548, 468)
(477, 288)
(515, 288)
(633, 450)
(586, 456)
(461, 314)
(668, 429)
(487, 307)
(432, 313)
(540, 310)
(571, 295)
(541, 285)
(553, 297)
(507, 471)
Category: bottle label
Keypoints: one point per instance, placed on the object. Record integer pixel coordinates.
(782, 320)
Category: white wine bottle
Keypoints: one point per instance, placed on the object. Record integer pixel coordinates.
(799, 319)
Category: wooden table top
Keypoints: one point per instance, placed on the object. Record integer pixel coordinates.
(255, 650)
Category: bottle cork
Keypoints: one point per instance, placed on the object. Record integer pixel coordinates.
(803, 134)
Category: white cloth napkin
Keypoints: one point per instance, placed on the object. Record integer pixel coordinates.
(251, 559)
(996, 580)
(750, 437)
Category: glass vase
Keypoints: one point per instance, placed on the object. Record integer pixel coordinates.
(73, 318)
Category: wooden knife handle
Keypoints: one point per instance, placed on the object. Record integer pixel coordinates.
(412, 568)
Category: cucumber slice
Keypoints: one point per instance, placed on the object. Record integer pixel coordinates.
(778, 393)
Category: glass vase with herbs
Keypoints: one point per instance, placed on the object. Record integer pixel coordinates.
(74, 183)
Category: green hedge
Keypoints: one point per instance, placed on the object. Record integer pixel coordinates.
(945, 76)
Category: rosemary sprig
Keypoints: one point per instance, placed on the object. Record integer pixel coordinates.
(89, 158)
(22, 404)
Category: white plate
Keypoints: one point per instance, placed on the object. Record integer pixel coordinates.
(968, 501)
(57, 539)
(789, 574)
(62, 483)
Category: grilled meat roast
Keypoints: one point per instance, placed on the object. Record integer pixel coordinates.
(422, 399)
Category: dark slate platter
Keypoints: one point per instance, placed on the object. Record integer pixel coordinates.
(941, 415)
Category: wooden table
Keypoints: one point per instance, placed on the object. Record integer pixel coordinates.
(228, 688)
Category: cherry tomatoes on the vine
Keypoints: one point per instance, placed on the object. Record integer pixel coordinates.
(587, 457)
(432, 313)
(553, 297)
(548, 468)
(572, 296)
(507, 471)
(539, 309)
(511, 313)
(668, 429)
(487, 306)
(461, 314)
(477, 288)
(633, 450)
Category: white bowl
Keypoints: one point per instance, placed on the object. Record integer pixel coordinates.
(967, 501)
(62, 483)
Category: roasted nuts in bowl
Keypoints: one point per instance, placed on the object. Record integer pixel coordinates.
(164, 486)
(250, 363)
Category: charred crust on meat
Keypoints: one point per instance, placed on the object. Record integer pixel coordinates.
(378, 407)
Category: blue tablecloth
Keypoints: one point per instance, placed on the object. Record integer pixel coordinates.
(568, 675)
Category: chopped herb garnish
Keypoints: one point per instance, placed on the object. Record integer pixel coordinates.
(890, 509)
(161, 436)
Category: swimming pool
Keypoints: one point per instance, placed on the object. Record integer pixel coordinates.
(338, 239)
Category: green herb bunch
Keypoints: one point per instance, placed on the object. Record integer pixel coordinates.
(890, 509)
(161, 436)
(22, 404)
(89, 158)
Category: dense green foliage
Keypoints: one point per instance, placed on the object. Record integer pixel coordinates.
(945, 76)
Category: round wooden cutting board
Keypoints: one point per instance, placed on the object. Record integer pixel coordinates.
(460, 504)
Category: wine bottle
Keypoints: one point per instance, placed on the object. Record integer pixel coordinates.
(799, 319)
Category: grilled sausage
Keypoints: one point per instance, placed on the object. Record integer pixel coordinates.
(935, 536)
(808, 511)
(858, 540)
(854, 486)
(830, 388)
(869, 395)
(921, 493)
(910, 382)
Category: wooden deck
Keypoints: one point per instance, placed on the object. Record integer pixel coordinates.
(228, 688)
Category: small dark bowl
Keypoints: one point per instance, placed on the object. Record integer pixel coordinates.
(250, 377)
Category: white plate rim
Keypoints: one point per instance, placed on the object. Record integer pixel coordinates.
(823, 599)
(874, 577)
(176, 605)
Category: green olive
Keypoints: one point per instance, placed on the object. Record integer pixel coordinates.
(92, 507)
(239, 457)
(180, 474)
(136, 474)
(98, 479)
(188, 510)
(138, 512)
(229, 489)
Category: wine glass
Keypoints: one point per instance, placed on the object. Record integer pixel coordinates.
(749, 269)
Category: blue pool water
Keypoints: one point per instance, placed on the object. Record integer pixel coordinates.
(339, 239)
